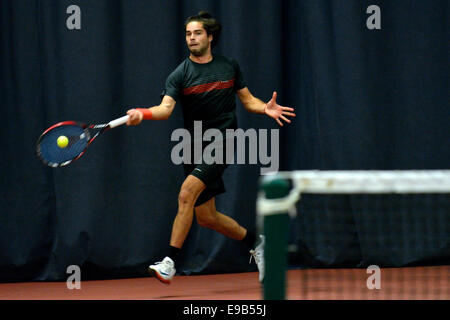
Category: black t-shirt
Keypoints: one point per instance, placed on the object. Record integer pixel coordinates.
(206, 92)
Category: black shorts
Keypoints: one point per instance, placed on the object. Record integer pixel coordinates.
(211, 176)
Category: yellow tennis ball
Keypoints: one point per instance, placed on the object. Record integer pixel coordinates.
(62, 141)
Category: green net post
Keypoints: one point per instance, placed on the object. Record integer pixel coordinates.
(276, 233)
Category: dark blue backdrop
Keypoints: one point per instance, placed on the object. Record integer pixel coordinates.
(365, 99)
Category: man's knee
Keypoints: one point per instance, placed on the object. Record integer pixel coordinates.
(186, 196)
(206, 214)
(190, 190)
(206, 220)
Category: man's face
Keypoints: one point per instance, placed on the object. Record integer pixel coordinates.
(197, 39)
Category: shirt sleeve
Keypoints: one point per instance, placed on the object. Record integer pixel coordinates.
(173, 85)
(239, 82)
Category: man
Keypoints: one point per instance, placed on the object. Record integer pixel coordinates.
(205, 85)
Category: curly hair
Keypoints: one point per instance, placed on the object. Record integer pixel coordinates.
(211, 25)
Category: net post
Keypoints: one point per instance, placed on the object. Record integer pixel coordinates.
(275, 229)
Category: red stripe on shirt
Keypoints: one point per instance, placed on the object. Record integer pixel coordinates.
(201, 88)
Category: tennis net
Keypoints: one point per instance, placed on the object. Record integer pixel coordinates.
(356, 234)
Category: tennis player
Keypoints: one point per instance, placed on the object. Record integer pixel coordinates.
(205, 86)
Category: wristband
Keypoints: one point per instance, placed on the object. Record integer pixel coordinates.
(146, 113)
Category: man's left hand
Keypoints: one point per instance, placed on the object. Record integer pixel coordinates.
(278, 112)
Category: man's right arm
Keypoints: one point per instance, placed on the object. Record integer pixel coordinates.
(160, 112)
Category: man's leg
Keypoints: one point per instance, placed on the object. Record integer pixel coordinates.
(208, 217)
(189, 192)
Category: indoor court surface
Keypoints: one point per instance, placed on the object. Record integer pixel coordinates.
(416, 283)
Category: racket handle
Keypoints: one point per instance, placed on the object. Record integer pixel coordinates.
(118, 122)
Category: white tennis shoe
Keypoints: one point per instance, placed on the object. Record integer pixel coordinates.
(163, 270)
(258, 255)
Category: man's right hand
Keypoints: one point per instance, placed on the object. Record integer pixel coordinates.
(135, 117)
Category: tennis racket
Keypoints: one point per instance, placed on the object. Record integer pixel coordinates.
(74, 139)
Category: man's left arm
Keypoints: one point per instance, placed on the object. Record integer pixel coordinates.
(271, 108)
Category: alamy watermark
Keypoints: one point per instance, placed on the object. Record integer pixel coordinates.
(373, 22)
(73, 21)
(374, 280)
(232, 146)
(74, 280)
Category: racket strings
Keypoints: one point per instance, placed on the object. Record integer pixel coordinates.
(73, 139)
(54, 155)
